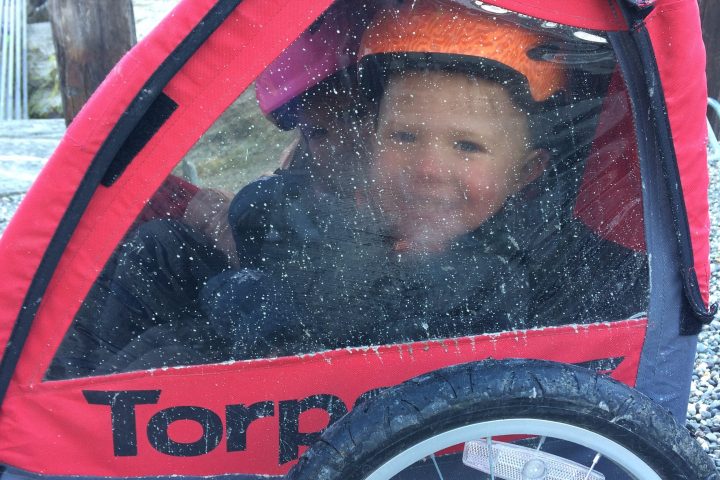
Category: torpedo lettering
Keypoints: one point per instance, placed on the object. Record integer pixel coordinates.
(238, 418)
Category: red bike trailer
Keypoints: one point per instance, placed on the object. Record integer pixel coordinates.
(255, 417)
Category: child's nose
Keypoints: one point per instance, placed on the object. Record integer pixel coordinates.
(429, 163)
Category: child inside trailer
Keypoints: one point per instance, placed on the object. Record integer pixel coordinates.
(470, 183)
(145, 309)
(461, 223)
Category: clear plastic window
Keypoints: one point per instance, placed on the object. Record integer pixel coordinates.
(403, 171)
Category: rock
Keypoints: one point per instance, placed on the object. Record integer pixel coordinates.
(43, 82)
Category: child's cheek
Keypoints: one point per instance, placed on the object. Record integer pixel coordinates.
(482, 201)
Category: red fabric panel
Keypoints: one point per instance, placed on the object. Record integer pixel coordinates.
(203, 88)
(589, 14)
(28, 234)
(219, 71)
(610, 196)
(73, 428)
(674, 29)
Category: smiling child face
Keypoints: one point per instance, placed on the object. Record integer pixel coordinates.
(451, 149)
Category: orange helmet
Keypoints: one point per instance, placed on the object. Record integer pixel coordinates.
(445, 35)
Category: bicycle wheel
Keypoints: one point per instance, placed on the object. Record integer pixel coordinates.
(574, 416)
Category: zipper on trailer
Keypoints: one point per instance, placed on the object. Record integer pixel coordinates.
(659, 145)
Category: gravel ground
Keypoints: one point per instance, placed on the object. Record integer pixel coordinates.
(704, 406)
(24, 149)
(8, 205)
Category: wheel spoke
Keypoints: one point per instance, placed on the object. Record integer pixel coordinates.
(491, 458)
(437, 467)
(592, 466)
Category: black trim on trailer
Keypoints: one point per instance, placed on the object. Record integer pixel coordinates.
(146, 128)
(665, 149)
(96, 172)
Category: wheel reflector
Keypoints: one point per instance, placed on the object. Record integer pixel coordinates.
(514, 462)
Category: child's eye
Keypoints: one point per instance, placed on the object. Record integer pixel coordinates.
(316, 133)
(466, 146)
(403, 137)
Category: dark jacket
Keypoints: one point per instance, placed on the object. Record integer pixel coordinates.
(323, 273)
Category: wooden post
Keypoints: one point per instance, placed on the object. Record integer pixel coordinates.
(90, 37)
(710, 17)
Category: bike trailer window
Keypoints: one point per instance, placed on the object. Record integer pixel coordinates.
(402, 172)
(275, 212)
